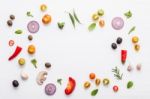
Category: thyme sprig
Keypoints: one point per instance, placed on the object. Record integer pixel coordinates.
(117, 73)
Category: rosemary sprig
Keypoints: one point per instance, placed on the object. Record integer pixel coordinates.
(117, 73)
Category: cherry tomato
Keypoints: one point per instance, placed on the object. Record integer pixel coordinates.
(92, 76)
(11, 42)
(115, 88)
(46, 19)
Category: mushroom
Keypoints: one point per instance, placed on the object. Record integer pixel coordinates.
(24, 75)
(41, 77)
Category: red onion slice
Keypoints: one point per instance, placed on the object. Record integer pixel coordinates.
(50, 89)
(33, 26)
(117, 23)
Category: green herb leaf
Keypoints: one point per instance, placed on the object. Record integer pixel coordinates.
(129, 84)
(128, 14)
(18, 31)
(94, 92)
(132, 29)
(34, 62)
(72, 19)
(29, 14)
(61, 25)
(76, 18)
(117, 74)
(92, 26)
(59, 81)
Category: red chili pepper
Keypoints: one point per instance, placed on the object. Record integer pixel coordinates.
(70, 86)
(16, 53)
(123, 56)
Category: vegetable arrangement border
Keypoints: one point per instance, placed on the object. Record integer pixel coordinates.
(97, 18)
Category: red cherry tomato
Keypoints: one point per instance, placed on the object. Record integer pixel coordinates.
(115, 88)
(11, 42)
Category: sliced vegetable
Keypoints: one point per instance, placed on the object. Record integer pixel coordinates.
(117, 23)
(131, 30)
(94, 92)
(29, 14)
(61, 25)
(43, 7)
(92, 26)
(18, 31)
(70, 86)
(33, 26)
(135, 39)
(75, 17)
(34, 62)
(21, 61)
(11, 42)
(129, 84)
(97, 81)
(106, 81)
(50, 89)
(16, 53)
(87, 84)
(95, 17)
(137, 47)
(115, 88)
(117, 74)
(100, 12)
(31, 49)
(128, 14)
(123, 56)
(46, 19)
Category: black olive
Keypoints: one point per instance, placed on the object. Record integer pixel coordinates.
(114, 46)
(119, 40)
(47, 65)
(15, 83)
(12, 17)
(9, 23)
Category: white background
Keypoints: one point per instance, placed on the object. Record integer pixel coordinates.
(75, 52)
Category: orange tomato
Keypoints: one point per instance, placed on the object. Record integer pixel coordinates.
(101, 23)
(46, 19)
(31, 49)
(92, 76)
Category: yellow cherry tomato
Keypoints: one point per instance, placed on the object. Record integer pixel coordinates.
(97, 81)
(21, 61)
(135, 39)
(106, 82)
(31, 49)
(95, 17)
(137, 47)
(46, 19)
(87, 84)
(43, 7)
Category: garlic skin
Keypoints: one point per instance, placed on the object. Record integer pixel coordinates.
(138, 67)
(130, 68)
(24, 76)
